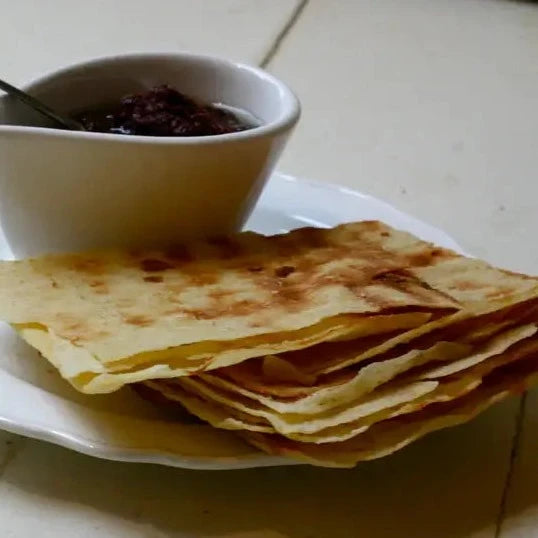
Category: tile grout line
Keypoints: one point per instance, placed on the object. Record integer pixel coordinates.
(511, 465)
(283, 33)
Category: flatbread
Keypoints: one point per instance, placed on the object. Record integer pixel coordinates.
(210, 412)
(391, 435)
(100, 317)
(109, 318)
(448, 388)
(79, 367)
(299, 373)
(362, 381)
(342, 421)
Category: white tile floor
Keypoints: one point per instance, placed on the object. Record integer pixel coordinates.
(40, 36)
(447, 485)
(432, 105)
(522, 502)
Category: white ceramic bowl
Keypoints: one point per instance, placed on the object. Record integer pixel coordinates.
(65, 190)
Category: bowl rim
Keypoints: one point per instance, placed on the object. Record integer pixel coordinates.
(291, 108)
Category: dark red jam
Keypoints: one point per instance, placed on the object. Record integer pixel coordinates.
(163, 111)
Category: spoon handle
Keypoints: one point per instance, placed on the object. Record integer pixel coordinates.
(41, 107)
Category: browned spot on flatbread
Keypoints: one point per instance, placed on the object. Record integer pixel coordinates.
(85, 336)
(98, 286)
(218, 294)
(426, 256)
(153, 278)
(199, 278)
(216, 310)
(499, 291)
(67, 320)
(139, 320)
(284, 271)
(90, 266)
(394, 277)
(176, 311)
(419, 259)
(155, 265)
(464, 285)
(292, 298)
(200, 313)
(76, 329)
(203, 278)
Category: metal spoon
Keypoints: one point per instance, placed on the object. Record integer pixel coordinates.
(65, 121)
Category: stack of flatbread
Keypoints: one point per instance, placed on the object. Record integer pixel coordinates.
(328, 346)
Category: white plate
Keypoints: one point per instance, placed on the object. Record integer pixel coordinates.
(36, 402)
